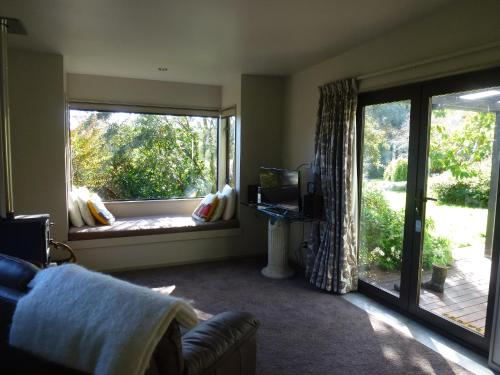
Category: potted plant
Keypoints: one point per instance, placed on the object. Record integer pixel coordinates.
(438, 278)
(436, 253)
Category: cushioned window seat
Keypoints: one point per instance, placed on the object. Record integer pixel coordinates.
(147, 225)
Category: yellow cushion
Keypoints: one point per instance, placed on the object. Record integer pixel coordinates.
(99, 210)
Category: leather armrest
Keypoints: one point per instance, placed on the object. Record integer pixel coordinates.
(8, 301)
(208, 344)
(167, 357)
(16, 273)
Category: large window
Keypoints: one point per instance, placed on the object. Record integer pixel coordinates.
(136, 156)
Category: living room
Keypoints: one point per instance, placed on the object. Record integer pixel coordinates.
(261, 63)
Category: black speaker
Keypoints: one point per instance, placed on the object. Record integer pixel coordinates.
(26, 237)
(252, 192)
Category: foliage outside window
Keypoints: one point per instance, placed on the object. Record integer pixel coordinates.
(231, 151)
(136, 156)
(385, 171)
(461, 156)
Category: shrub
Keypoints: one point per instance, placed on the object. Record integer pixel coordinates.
(437, 250)
(381, 236)
(381, 231)
(470, 191)
(396, 170)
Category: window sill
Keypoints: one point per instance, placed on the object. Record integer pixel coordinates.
(147, 225)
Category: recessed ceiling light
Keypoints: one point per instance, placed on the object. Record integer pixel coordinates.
(162, 68)
(480, 95)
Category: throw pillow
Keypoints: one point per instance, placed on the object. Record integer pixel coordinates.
(206, 208)
(219, 211)
(75, 216)
(230, 195)
(99, 210)
(83, 195)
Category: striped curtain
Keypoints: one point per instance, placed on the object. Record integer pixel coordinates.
(332, 253)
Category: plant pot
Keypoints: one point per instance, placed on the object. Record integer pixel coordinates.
(438, 278)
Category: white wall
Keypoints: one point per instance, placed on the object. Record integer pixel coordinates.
(262, 110)
(38, 136)
(259, 102)
(158, 250)
(103, 89)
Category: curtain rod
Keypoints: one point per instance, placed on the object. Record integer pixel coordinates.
(430, 60)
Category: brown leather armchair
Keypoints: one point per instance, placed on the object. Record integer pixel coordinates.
(225, 344)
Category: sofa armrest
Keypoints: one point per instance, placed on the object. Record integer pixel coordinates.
(167, 357)
(16, 273)
(225, 343)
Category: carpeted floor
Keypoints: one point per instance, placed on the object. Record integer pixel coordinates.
(303, 331)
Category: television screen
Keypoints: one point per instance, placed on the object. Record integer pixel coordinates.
(280, 187)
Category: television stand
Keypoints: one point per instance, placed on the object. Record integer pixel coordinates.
(278, 229)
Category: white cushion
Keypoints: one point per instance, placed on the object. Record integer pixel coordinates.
(75, 216)
(206, 208)
(230, 195)
(219, 210)
(83, 195)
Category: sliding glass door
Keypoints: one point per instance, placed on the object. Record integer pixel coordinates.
(429, 166)
(386, 135)
(462, 180)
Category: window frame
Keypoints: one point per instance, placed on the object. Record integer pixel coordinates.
(226, 115)
(147, 110)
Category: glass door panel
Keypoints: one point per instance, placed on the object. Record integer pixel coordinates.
(459, 204)
(385, 146)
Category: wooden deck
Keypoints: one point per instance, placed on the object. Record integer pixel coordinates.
(465, 295)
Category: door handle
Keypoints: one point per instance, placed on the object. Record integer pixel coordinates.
(429, 199)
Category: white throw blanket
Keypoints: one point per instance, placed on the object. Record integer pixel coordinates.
(93, 322)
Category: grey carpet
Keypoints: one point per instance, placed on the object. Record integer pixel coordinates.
(303, 331)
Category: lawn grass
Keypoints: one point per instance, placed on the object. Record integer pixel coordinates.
(463, 226)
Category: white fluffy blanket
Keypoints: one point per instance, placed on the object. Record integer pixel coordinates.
(93, 322)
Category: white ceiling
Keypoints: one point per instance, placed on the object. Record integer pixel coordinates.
(203, 41)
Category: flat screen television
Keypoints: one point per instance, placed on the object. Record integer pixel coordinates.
(280, 188)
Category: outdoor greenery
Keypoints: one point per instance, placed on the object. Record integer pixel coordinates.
(382, 231)
(143, 156)
(396, 170)
(460, 155)
(385, 136)
(468, 192)
(465, 152)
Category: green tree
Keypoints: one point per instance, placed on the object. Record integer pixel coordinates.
(90, 156)
(465, 149)
(385, 136)
(145, 156)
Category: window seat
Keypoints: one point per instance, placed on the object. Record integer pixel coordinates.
(147, 225)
